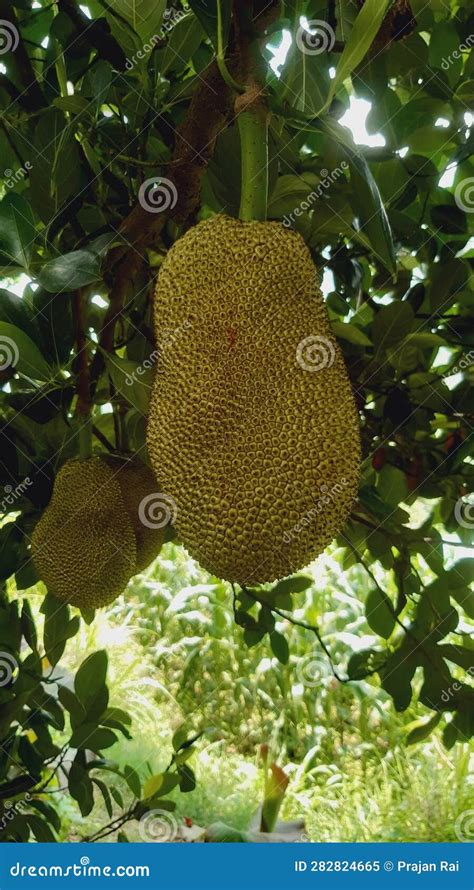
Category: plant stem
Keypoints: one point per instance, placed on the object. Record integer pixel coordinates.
(84, 404)
(220, 55)
(253, 128)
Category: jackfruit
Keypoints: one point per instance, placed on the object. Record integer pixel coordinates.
(137, 484)
(253, 430)
(90, 541)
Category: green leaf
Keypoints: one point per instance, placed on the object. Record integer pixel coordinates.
(56, 172)
(131, 380)
(397, 675)
(152, 785)
(185, 38)
(351, 333)
(280, 647)
(363, 32)
(21, 353)
(366, 200)
(422, 730)
(295, 584)
(133, 780)
(58, 627)
(70, 271)
(392, 485)
(80, 785)
(392, 324)
(89, 736)
(379, 613)
(91, 676)
(17, 229)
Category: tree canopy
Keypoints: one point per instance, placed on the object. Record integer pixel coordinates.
(118, 131)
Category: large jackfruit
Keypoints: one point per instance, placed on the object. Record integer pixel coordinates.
(253, 429)
(90, 541)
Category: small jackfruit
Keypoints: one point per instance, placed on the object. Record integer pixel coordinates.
(137, 484)
(253, 429)
(90, 541)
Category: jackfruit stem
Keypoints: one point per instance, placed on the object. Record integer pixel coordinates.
(85, 439)
(253, 129)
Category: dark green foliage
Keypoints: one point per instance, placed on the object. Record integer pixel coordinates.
(401, 302)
